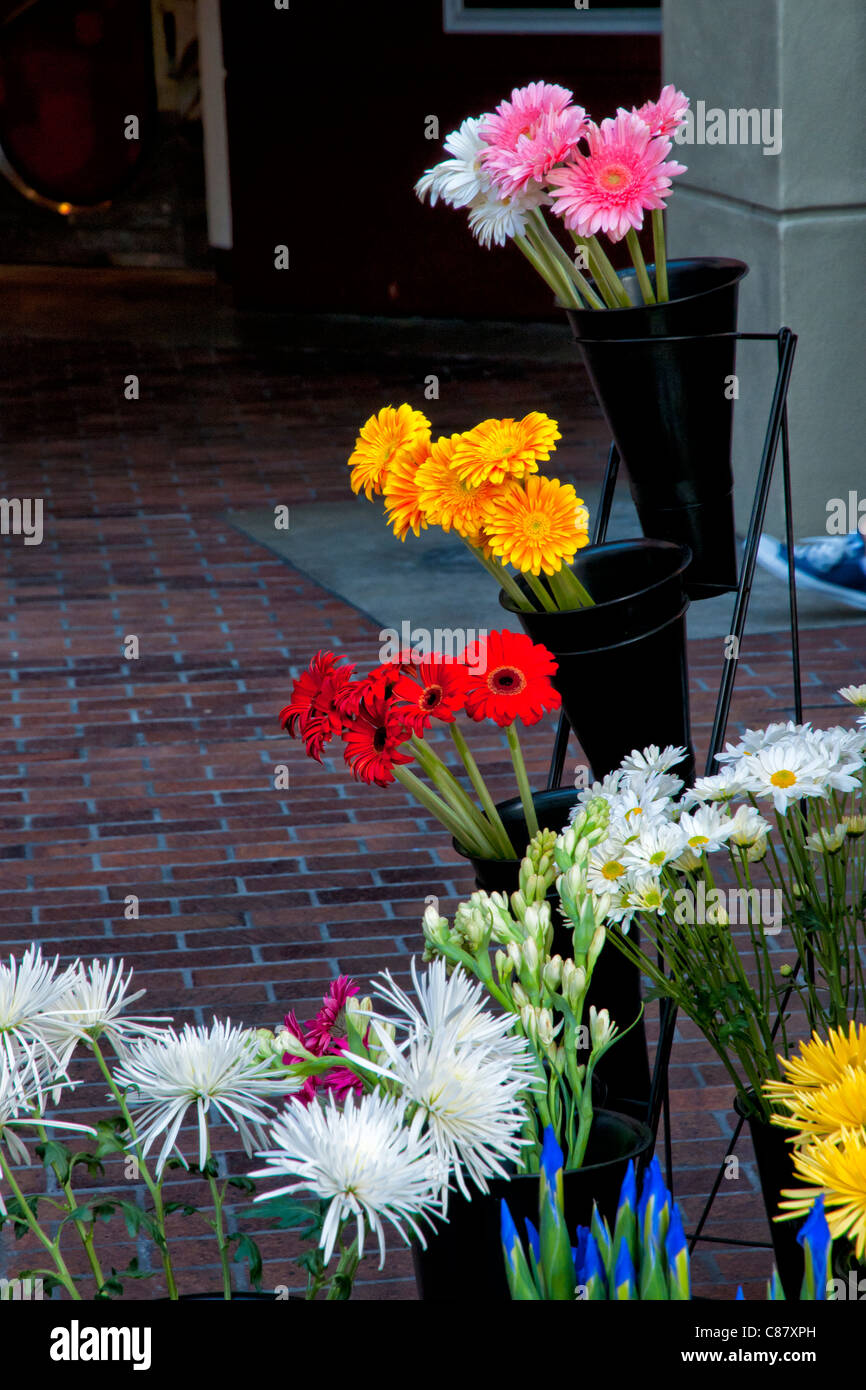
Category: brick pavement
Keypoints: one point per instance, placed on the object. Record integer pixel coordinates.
(154, 777)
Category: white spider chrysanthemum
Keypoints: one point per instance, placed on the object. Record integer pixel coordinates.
(787, 771)
(467, 1074)
(657, 844)
(22, 1093)
(443, 1001)
(29, 989)
(855, 695)
(94, 1007)
(363, 1159)
(460, 179)
(164, 1076)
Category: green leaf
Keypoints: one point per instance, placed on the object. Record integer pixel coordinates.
(95, 1168)
(57, 1155)
(248, 1250)
(244, 1183)
(109, 1136)
(185, 1207)
(287, 1213)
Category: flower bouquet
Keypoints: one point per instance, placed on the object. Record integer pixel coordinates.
(382, 720)
(383, 1114)
(645, 1258)
(657, 340)
(484, 485)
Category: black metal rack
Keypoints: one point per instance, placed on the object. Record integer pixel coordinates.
(658, 1106)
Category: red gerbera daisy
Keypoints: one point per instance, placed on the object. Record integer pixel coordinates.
(378, 685)
(314, 712)
(373, 743)
(509, 679)
(330, 1019)
(432, 688)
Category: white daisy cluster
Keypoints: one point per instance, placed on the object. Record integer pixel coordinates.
(462, 183)
(449, 1105)
(653, 829)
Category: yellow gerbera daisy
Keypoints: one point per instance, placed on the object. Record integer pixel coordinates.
(838, 1173)
(445, 500)
(820, 1063)
(538, 526)
(382, 439)
(824, 1112)
(500, 449)
(402, 500)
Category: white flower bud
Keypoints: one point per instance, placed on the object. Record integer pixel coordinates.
(552, 973)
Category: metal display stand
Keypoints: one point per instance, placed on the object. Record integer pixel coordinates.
(658, 1106)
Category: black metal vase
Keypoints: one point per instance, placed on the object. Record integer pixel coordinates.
(625, 1071)
(670, 407)
(622, 675)
(776, 1172)
(464, 1257)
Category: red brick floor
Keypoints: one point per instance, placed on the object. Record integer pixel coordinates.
(153, 777)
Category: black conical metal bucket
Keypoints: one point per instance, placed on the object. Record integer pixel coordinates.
(670, 408)
(622, 674)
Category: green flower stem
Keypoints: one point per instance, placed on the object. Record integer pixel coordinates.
(660, 254)
(643, 279)
(347, 1266)
(603, 270)
(551, 274)
(541, 593)
(154, 1188)
(475, 776)
(84, 1232)
(502, 577)
(52, 1246)
(459, 826)
(568, 590)
(222, 1243)
(559, 256)
(450, 789)
(522, 779)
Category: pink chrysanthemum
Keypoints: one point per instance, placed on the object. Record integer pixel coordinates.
(330, 1019)
(529, 134)
(666, 115)
(325, 1037)
(623, 176)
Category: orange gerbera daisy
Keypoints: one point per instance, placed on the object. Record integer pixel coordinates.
(500, 449)
(402, 501)
(538, 526)
(445, 499)
(382, 439)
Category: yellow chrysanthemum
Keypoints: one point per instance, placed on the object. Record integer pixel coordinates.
(820, 1063)
(538, 526)
(447, 501)
(382, 439)
(402, 500)
(500, 449)
(838, 1173)
(825, 1111)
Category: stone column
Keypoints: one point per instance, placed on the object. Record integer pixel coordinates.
(794, 209)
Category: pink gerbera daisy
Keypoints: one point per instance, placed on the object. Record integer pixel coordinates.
(666, 115)
(529, 134)
(623, 175)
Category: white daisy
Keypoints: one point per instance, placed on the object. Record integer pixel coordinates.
(495, 219)
(855, 695)
(364, 1160)
(647, 895)
(94, 1007)
(605, 790)
(786, 771)
(723, 786)
(755, 739)
(607, 871)
(630, 810)
(657, 844)
(747, 827)
(705, 830)
(823, 841)
(653, 760)
(459, 180)
(218, 1066)
(843, 751)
